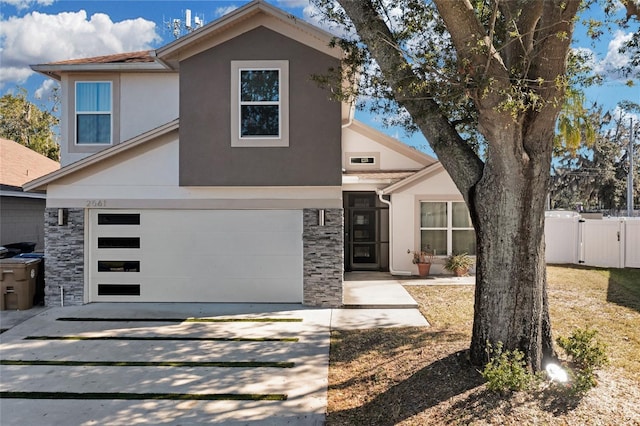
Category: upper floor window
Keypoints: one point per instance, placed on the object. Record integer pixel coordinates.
(260, 103)
(93, 112)
(445, 226)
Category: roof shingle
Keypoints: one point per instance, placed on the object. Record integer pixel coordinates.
(19, 164)
(118, 58)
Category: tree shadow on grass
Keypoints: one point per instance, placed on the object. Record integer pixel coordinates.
(483, 404)
(624, 288)
(438, 382)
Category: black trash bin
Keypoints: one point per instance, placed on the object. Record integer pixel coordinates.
(38, 296)
(15, 249)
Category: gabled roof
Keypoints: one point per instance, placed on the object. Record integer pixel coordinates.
(252, 15)
(414, 178)
(41, 183)
(142, 60)
(19, 164)
(118, 58)
(392, 143)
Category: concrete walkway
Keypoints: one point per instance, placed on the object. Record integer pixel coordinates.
(126, 333)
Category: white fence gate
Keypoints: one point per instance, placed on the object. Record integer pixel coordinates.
(608, 243)
(632, 244)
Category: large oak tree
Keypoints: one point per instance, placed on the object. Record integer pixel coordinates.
(493, 72)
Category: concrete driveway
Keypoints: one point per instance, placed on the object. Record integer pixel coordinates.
(127, 364)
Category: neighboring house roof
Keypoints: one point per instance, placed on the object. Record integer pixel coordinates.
(39, 184)
(19, 164)
(250, 16)
(143, 60)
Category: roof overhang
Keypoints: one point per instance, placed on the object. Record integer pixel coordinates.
(20, 194)
(415, 178)
(253, 15)
(55, 70)
(41, 183)
(392, 143)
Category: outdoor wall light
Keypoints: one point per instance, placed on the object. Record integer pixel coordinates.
(321, 217)
(62, 217)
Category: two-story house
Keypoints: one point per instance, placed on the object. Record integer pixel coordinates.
(214, 169)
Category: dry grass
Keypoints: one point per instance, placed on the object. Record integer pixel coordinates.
(421, 376)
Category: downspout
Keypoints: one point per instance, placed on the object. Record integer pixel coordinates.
(352, 109)
(388, 203)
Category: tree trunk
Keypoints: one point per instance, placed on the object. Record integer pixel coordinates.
(506, 188)
(508, 206)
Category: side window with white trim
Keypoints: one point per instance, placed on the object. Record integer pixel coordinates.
(446, 228)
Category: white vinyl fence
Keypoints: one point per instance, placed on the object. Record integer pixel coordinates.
(608, 243)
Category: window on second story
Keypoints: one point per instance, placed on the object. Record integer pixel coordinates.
(260, 103)
(93, 112)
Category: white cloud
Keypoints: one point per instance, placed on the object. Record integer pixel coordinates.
(25, 4)
(313, 15)
(221, 11)
(38, 38)
(46, 89)
(293, 3)
(614, 60)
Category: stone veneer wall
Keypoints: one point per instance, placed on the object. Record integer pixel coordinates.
(64, 257)
(323, 258)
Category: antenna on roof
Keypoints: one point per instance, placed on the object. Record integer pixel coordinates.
(179, 26)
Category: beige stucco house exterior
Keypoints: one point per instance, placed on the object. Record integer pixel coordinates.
(215, 169)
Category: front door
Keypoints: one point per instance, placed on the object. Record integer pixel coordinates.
(366, 247)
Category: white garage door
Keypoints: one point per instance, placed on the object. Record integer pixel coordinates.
(195, 256)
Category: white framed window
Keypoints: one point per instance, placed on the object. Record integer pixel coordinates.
(445, 226)
(93, 112)
(260, 103)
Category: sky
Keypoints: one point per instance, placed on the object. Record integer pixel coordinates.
(41, 31)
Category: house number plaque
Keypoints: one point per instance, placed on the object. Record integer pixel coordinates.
(96, 203)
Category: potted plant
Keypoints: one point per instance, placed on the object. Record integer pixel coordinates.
(459, 264)
(422, 259)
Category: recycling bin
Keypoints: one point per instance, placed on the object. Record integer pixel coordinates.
(17, 283)
(38, 297)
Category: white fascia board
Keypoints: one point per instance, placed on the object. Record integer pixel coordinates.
(54, 70)
(195, 42)
(17, 194)
(391, 143)
(434, 168)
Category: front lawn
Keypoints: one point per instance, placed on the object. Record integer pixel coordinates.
(419, 376)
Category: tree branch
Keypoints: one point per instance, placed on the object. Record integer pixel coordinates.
(633, 8)
(462, 163)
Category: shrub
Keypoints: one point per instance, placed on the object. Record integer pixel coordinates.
(506, 370)
(586, 353)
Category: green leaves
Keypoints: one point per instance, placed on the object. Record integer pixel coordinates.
(23, 122)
